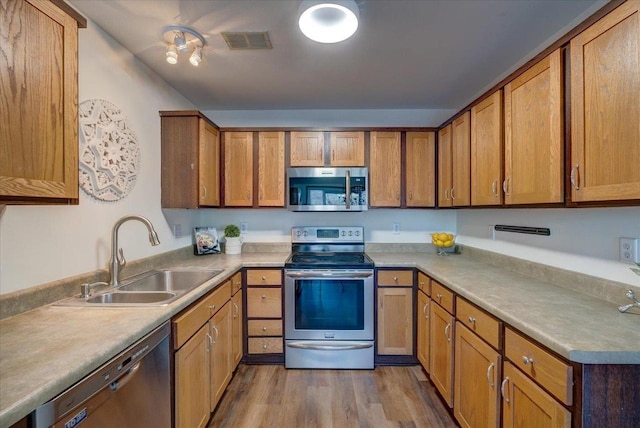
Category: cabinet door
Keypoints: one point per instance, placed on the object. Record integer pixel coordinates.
(533, 135)
(238, 169)
(441, 351)
(486, 151)
(271, 169)
(221, 353)
(209, 165)
(395, 332)
(39, 98)
(236, 314)
(477, 381)
(384, 169)
(307, 148)
(605, 111)
(444, 166)
(525, 404)
(423, 330)
(192, 371)
(420, 164)
(461, 161)
(347, 148)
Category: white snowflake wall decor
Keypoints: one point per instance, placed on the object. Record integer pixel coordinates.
(109, 153)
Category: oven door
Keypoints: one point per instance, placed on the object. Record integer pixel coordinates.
(329, 304)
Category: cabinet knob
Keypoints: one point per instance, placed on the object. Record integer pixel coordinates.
(264, 346)
(264, 328)
(526, 360)
(264, 278)
(395, 279)
(472, 320)
(439, 296)
(264, 296)
(212, 307)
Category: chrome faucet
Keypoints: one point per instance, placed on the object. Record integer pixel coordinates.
(118, 261)
(630, 295)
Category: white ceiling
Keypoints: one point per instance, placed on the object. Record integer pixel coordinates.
(407, 54)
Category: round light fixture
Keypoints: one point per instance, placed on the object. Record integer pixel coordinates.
(329, 21)
(172, 54)
(196, 56)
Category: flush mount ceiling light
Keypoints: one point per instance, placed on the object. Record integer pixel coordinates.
(328, 21)
(183, 39)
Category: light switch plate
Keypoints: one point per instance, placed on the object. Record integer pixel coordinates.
(396, 228)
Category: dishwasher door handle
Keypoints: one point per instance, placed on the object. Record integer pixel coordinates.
(125, 378)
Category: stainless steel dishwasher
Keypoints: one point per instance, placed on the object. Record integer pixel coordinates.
(131, 390)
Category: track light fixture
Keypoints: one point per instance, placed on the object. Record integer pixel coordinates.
(183, 39)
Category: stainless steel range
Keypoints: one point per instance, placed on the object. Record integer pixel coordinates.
(328, 294)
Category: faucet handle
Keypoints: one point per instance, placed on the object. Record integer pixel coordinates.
(122, 262)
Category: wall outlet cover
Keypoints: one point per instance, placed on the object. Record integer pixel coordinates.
(629, 250)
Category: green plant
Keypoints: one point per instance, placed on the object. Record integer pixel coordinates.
(232, 231)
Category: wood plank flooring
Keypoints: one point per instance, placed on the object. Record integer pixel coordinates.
(272, 396)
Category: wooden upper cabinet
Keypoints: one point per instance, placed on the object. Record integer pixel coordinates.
(533, 135)
(420, 162)
(238, 169)
(307, 148)
(605, 108)
(461, 161)
(190, 165)
(444, 166)
(39, 98)
(486, 151)
(271, 169)
(209, 165)
(347, 148)
(384, 169)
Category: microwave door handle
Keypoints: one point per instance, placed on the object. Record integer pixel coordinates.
(347, 193)
(329, 274)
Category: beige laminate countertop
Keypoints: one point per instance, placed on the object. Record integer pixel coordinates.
(45, 351)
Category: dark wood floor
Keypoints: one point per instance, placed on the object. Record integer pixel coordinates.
(271, 396)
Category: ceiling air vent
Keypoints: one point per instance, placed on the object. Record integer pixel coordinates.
(247, 40)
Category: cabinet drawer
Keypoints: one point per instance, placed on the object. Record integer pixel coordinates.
(478, 321)
(190, 320)
(264, 327)
(402, 278)
(442, 296)
(549, 371)
(264, 303)
(236, 283)
(265, 345)
(264, 277)
(424, 283)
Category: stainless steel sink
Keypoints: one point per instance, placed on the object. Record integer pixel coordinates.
(153, 288)
(131, 298)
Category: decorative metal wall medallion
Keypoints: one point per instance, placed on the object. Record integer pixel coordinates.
(109, 153)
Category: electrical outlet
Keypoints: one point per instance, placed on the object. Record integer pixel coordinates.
(243, 227)
(177, 230)
(629, 250)
(396, 228)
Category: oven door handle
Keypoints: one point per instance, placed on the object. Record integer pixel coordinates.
(340, 275)
(319, 347)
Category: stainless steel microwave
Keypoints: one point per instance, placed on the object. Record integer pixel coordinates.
(327, 189)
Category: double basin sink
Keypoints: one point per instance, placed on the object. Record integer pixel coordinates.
(152, 288)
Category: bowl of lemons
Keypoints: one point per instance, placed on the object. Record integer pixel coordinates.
(444, 242)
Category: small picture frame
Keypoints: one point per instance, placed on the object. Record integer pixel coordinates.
(206, 240)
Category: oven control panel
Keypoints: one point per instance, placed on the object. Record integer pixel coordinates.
(346, 234)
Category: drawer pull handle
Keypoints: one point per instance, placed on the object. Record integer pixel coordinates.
(502, 388)
(446, 332)
(421, 284)
(395, 278)
(264, 346)
(489, 376)
(472, 320)
(264, 297)
(439, 296)
(526, 360)
(264, 278)
(264, 328)
(212, 307)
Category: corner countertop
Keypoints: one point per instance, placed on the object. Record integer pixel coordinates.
(46, 350)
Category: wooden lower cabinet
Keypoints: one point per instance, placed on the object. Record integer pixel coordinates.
(422, 348)
(264, 316)
(236, 329)
(192, 372)
(221, 353)
(477, 381)
(441, 351)
(525, 404)
(395, 323)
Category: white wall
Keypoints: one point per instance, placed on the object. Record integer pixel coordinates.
(39, 244)
(582, 239)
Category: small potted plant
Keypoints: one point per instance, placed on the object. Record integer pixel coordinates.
(233, 239)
